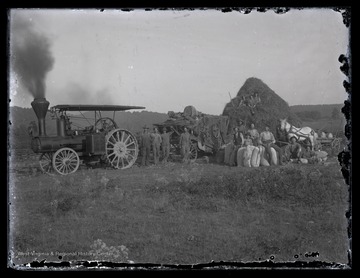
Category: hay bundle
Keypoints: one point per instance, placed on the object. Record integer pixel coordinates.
(257, 103)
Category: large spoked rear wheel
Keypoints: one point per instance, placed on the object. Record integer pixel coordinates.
(45, 162)
(121, 148)
(65, 161)
(335, 145)
(193, 151)
(105, 124)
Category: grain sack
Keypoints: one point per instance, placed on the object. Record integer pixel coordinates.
(303, 160)
(274, 159)
(255, 158)
(263, 160)
(321, 155)
(240, 157)
(247, 155)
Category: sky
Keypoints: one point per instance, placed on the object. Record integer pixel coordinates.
(167, 60)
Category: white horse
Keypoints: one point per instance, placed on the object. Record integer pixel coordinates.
(300, 133)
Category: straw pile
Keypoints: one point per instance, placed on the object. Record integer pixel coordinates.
(268, 108)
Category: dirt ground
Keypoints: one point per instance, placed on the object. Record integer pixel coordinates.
(178, 213)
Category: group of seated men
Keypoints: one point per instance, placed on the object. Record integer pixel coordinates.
(297, 153)
(293, 152)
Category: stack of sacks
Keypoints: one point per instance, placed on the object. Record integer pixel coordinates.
(263, 160)
(321, 155)
(248, 156)
(251, 156)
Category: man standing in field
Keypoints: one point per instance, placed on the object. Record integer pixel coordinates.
(165, 145)
(267, 139)
(185, 144)
(156, 141)
(238, 139)
(145, 145)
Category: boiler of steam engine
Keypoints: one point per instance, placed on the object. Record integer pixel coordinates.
(43, 143)
(40, 106)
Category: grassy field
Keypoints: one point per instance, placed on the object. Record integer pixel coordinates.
(179, 214)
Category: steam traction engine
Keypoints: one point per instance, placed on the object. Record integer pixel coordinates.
(101, 141)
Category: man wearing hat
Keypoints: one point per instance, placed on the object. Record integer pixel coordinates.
(248, 141)
(238, 141)
(238, 137)
(184, 143)
(145, 145)
(293, 149)
(156, 142)
(165, 144)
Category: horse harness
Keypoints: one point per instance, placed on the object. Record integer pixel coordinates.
(298, 132)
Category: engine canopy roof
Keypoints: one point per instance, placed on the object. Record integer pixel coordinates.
(90, 107)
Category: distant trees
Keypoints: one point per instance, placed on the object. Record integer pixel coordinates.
(309, 115)
(314, 115)
(325, 110)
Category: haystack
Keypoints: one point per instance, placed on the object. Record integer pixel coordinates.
(257, 103)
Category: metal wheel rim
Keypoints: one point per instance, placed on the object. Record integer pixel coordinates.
(193, 152)
(121, 148)
(66, 161)
(336, 145)
(112, 124)
(45, 162)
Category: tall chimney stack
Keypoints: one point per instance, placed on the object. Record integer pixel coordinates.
(40, 106)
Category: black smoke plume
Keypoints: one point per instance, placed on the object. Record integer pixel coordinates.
(31, 56)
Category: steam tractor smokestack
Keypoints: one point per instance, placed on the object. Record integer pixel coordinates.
(40, 106)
